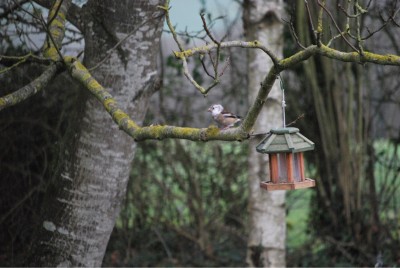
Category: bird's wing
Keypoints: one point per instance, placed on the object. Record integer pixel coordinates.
(226, 120)
(229, 115)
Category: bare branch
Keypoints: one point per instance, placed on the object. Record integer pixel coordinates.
(73, 15)
(243, 44)
(336, 26)
(56, 29)
(227, 63)
(30, 89)
(385, 23)
(293, 32)
(310, 20)
(183, 55)
(205, 67)
(170, 26)
(295, 121)
(207, 30)
(12, 8)
(14, 61)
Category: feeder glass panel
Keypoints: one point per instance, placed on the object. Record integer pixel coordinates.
(282, 167)
(296, 167)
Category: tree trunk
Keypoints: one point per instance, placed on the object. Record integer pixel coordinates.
(267, 234)
(80, 214)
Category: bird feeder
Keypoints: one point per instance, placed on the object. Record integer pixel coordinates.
(285, 147)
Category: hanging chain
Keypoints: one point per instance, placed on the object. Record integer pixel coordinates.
(283, 101)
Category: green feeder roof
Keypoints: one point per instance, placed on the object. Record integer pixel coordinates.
(284, 140)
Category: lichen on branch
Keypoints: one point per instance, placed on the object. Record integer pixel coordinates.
(79, 72)
(56, 29)
(30, 89)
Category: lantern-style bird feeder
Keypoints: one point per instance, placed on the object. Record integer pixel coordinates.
(285, 147)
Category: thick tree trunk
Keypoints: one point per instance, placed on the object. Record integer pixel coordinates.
(80, 215)
(267, 234)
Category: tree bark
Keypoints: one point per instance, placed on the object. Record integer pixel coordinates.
(80, 214)
(267, 234)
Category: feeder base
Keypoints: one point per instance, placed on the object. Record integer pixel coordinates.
(269, 186)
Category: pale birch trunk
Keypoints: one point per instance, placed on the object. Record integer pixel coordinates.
(80, 215)
(267, 226)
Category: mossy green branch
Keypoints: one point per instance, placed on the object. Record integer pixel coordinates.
(125, 123)
(183, 55)
(255, 109)
(321, 11)
(187, 133)
(170, 26)
(365, 57)
(17, 60)
(205, 49)
(300, 56)
(79, 72)
(32, 88)
(56, 29)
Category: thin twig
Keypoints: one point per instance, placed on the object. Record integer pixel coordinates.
(183, 55)
(30, 89)
(386, 22)
(297, 119)
(12, 8)
(347, 13)
(164, 244)
(170, 26)
(227, 63)
(336, 26)
(253, 135)
(51, 19)
(207, 30)
(205, 67)
(212, 60)
(311, 22)
(293, 32)
(216, 62)
(45, 26)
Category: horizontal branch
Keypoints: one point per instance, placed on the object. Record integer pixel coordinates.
(82, 75)
(205, 49)
(13, 61)
(187, 133)
(32, 88)
(387, 59)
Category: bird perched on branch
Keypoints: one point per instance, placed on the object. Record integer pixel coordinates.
(223, 118)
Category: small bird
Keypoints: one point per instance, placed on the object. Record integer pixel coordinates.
(223, 118)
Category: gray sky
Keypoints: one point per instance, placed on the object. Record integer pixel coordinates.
(185, 13)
